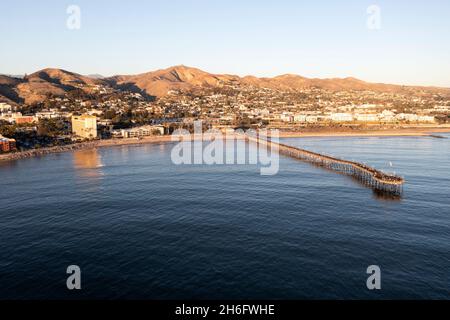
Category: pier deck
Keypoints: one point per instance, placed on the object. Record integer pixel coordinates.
(371, 177)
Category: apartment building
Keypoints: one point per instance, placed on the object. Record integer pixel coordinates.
(7, 145)
(84, 126)
(137, 132)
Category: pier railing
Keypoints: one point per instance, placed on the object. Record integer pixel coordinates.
(373, 178)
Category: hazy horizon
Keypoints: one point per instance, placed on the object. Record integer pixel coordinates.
(313, 40)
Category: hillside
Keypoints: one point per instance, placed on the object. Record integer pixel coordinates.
(37, 86)
(8, 92)
(56, 82)
(159, 83)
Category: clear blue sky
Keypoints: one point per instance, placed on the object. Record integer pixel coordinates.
(265, 38)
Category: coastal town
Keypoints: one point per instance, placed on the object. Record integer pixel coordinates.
(112, 113)
(242, 160)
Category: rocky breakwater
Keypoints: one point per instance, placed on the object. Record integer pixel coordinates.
(48, 150)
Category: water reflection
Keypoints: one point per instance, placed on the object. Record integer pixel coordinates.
(88, 163)
(9, 164)
(383, 196)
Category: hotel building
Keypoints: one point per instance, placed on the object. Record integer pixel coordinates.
(84, 126)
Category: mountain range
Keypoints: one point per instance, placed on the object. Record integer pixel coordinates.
(34, 88)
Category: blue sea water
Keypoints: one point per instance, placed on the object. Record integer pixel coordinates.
(141, 227)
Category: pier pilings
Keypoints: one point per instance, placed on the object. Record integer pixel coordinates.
(371, 177)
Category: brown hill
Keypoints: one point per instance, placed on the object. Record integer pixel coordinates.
(283, 82)
(39, 85)
(63, 77)
(295, 82)
(9, 81)
(8, 93)
(159, 83)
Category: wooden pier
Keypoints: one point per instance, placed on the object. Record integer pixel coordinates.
(373, 178)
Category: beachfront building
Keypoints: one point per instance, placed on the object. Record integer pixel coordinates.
(84, 126)
(387, 116)
(407, 117)
(7, 145)
(367, 117)
(341, 117)
(138, 132)
(300, 118)
(287, 117)
(312, 119)
(429, 119)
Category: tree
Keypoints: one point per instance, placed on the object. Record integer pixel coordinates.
(7, 129)
(51, 128)
(110, 114)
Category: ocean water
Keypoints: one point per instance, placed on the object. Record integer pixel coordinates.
(141, 227)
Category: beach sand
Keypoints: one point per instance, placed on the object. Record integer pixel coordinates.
(368, 133)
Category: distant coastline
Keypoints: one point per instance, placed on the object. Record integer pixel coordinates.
(401, 132)
(413, 131)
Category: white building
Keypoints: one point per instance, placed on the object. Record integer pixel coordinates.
(367, 117)
(312, 119)
(441, 108)
(46, 115)
(407, 117)
(17, 117)
(95, 112)
(4, 107)
(387, 116)
(138, 132)
(300, 118)
(286, 117)
(430, 119)
(341, 117)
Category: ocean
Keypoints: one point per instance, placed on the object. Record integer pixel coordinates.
(141, 227)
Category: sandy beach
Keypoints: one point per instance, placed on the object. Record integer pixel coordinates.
(369, 133)
(427, 131)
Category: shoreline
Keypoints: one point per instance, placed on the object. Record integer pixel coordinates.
(82, 146)
(404, 132)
